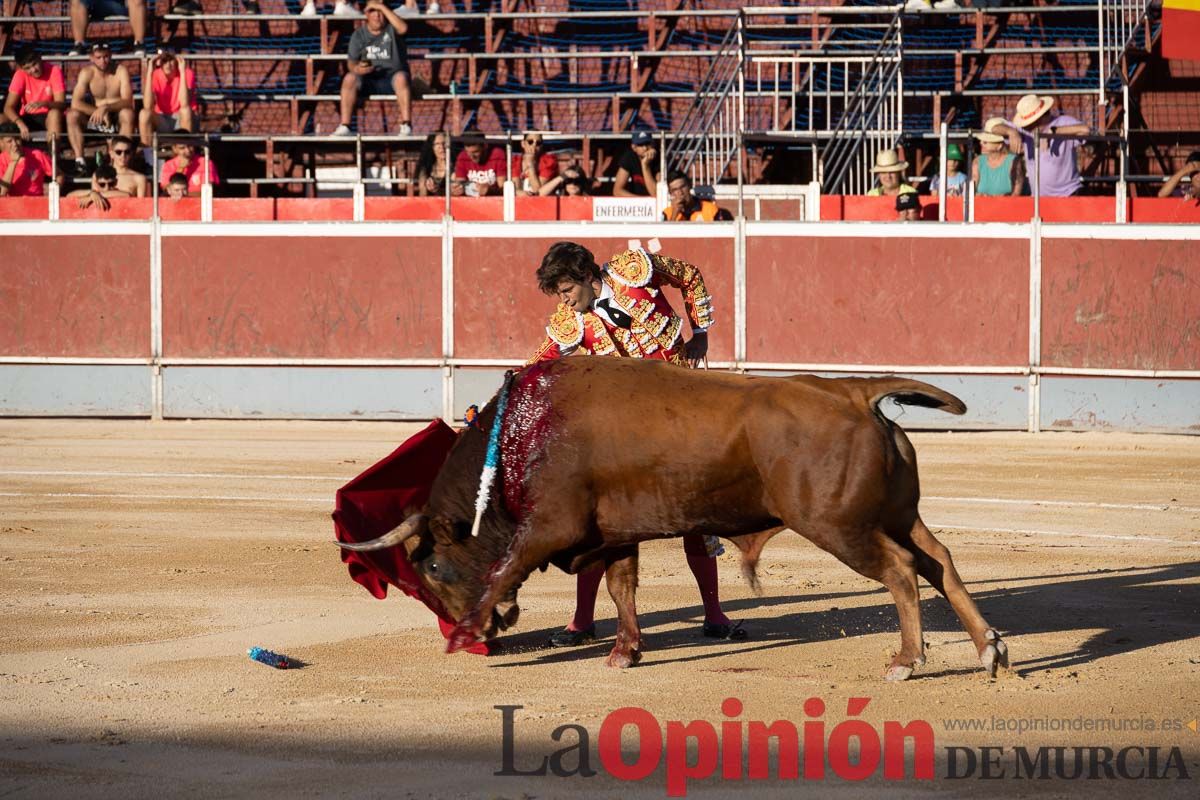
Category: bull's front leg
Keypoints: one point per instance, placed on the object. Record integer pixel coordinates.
(622, 574)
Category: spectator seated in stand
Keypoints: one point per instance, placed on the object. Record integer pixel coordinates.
(378, 64)
(1191, 170)
(101, 103)
(571, 182)
(889, 171)
(121, 152)
(533, 167)
(956, 179)
(170, 102)
(186, 163)
(409, 9)
(637, 171)
(685, 206)
(1057, 162)
(104, 188)
(83, 11)
(37, 95)
(177, 187)
(483, 174)
(23, 170)
(908, 207)
(997, 171)
(433, 166)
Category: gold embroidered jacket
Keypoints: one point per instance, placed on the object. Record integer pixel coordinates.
(636, 279)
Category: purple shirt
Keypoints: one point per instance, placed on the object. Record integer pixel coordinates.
(1059, 169)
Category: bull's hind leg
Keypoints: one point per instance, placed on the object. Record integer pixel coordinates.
(876, 555)
(935, 565)
(622, 585)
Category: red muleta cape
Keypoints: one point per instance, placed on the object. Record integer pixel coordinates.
(375, 502)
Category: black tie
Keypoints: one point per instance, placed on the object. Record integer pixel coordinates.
(619, 317)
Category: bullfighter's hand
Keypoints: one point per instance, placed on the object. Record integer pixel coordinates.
(696, 348)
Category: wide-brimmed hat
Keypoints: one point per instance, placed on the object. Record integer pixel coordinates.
(888, 161)
(1030, 109)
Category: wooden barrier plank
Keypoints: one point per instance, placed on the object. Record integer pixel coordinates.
(75, 296)
(887, 301)
(301, 297)
(1120, 304)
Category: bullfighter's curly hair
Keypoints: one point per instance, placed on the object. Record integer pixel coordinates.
(566, 261)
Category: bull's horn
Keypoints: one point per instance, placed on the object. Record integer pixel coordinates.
(405, 530)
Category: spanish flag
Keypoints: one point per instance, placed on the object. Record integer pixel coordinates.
(1181, 29)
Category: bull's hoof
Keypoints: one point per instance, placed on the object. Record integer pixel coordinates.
(620, 660)
(510, 616)
(898, 672)
(994, 654)
(463, 636)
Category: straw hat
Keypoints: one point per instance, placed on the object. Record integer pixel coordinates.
(1030, 109)
(888, 161)
(989, 127)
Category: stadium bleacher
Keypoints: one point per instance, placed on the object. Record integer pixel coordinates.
(589, 68)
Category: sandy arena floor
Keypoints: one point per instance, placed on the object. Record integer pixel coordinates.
(139, 561)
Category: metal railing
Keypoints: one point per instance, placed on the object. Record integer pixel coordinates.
(1119, 24)
(872, 117)
(710, 136)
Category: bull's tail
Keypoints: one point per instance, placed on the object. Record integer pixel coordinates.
(908, 392)
(751, 545)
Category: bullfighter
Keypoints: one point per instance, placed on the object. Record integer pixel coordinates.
(619, 309)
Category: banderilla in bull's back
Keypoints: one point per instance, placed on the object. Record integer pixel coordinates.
(597, 455)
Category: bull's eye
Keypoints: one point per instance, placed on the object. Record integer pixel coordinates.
(432, 567)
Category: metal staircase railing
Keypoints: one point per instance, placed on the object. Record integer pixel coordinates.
(1120, 25)
(872, 118)
(710, 136)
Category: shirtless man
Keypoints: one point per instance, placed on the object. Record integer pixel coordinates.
(102, 101)
(104, 187)
(120, 150)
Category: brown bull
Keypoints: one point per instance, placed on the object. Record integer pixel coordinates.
(597, 456)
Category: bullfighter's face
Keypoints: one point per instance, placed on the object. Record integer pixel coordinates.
(577, 296)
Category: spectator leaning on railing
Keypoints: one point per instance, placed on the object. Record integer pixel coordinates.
(169, 99)
(637, 171)
(37, 95)
(1057, 161)
(82, 11)
(177, 187)
(185, 162)
(102, 102)
(1172, 187)
(23, 170)
(997, 171)
(685, 206)
(533, 167)
(571, 182)
(908, 207)
(378, 64)
(433, 166)
(121, 152)
(104, 187)
(955, 182)
(483, 173)
(889, 172)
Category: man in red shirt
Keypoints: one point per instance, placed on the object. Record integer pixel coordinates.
(22, 169)
(484, 175)
(37, 95)
(169, 100)
(186, 163)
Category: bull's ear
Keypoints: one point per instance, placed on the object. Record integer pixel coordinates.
(443, 531)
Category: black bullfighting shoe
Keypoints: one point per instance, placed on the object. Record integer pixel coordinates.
(732, 633)
(566, 638)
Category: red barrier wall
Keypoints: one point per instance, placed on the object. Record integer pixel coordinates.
(302, 296)
(1120, 304)
(75, 296)
(499, 312)
(887, 300)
